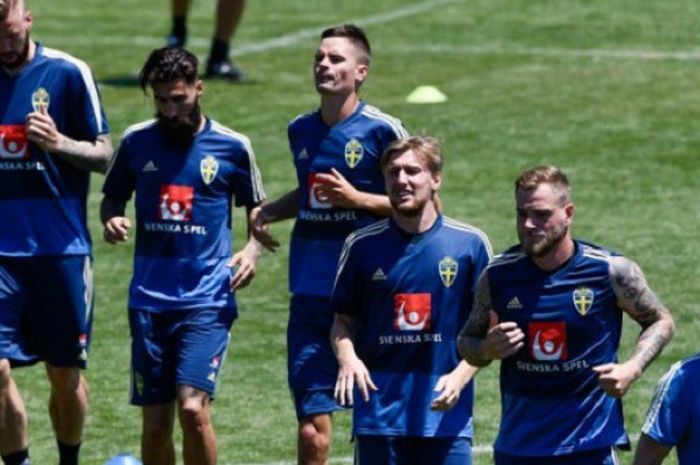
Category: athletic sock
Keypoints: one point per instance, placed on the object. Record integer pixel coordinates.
(68, 455)
(219, 51)
(179, 30)
(17, 458)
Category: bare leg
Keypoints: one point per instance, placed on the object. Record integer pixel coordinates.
(13, 417)
(314, 439)
(157, 446)
(68, 403)
(178, 32)
(199, 440)
(228, 15)
(179, 7)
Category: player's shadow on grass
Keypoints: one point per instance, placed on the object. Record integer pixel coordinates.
(133, 81)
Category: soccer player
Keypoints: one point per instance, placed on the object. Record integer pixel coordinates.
(185, 170)
(336, 152)
(672, 419)
(404, 287)
(551, 309)
(53, 133)
(228, 15)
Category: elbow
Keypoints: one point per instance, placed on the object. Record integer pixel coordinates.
(469, 353)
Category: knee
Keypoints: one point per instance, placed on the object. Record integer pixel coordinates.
(65, 380)
(156, 433)
(313, 440)
(194, 414)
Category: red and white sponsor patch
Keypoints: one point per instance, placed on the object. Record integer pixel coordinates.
(13, 142)
(412, 312)
(547, 340)
(316, 198)
(175, 202)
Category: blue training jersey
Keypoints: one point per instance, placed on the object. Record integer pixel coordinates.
(552, 403)
(673, 418)
(43, 197)
(410, 295)
(353, 147)
(183, 206)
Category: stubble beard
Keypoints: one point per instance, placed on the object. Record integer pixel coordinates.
(545, 245)
(21, 57)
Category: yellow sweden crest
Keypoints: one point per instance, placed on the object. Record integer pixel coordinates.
(208, 167)
(448, 270)
(41, 100)
(354, 151)
(583, 300)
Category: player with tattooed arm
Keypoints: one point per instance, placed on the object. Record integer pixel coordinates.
(551, 309)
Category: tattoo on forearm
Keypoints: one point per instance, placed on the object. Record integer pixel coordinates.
(477, 326)
(650, 344)
(642, 304)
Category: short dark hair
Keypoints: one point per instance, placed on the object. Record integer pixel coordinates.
(530, 180)
(169, 64)
(354, 34)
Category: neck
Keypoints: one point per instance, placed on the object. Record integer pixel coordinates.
(419, 223)
(202, 122)
(335, 108)
(557, 256)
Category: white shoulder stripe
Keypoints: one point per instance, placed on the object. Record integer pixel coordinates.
(139, 126)
(130, 129)
(506, 258)
(255, 177)
(372, 229)
(395, 124)
(89, 81)
(659, 395)
(451, 223)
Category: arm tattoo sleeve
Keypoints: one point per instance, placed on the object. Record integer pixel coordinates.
(636, 298)
(477, 325)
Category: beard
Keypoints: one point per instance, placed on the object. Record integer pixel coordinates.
(21, 56)
(407, 210)
(546, 244)
(180, 130)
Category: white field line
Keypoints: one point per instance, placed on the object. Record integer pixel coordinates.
(284, 41)
(594, 53)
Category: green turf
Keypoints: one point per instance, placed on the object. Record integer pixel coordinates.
(595, 86)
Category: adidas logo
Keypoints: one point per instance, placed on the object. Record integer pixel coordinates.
(378, 275)
(303, 155)
(150, 166)
(514, 304)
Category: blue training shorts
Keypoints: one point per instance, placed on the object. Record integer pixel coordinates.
(406, 450)
(602, 456)
(311, 364)
(176, 347)
(46, 309)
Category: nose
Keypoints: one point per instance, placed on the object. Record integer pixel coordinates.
(528, 222)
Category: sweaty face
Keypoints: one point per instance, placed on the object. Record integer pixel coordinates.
(14, 39)
(178, 110)
(543, 222)
(409, 184)
(337, 67)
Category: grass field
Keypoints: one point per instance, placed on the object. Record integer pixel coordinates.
(607, 89)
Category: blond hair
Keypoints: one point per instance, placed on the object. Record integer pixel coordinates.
(531, 178)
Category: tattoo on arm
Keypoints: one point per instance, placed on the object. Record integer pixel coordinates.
(636, 298)
(474, 331)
